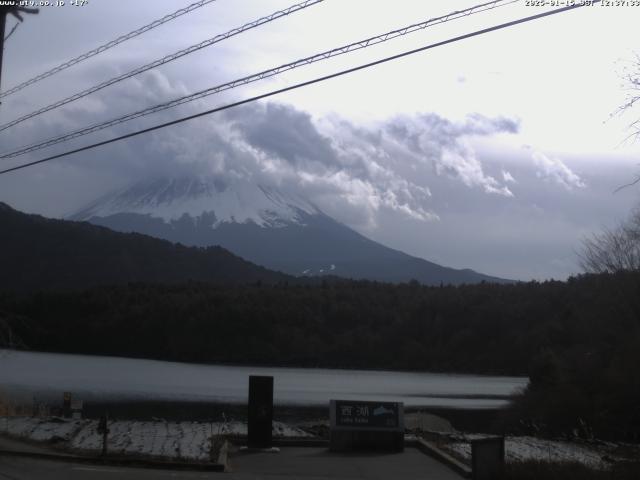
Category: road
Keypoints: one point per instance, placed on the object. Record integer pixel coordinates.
(290, 463)
(21, 468)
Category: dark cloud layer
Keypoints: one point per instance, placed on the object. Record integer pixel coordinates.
(283, 132)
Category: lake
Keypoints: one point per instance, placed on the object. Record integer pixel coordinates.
(47, 375)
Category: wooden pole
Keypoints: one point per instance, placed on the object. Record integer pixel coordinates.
(3, 21)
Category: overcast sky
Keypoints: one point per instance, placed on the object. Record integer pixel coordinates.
(497, 153)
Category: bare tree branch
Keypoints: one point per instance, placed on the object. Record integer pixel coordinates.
(631, 84)
(613, 250)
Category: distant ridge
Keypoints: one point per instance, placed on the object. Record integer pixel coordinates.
(38, 253)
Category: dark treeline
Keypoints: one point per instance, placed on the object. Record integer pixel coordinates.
(578, 340)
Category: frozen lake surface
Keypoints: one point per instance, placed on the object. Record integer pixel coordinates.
(28, 374)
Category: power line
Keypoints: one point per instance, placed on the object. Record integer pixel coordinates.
(260, 76)
(300, 85)
(167, 59)
(107, 46)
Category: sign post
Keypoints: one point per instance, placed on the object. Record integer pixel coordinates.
(260, 411)
(76, 409)
(66, 404)
(360, 425)
(103, 428)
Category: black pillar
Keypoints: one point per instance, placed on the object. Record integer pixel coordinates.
(260, 411)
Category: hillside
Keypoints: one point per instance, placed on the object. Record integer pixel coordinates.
(40, 253)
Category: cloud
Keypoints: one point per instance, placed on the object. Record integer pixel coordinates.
(284, 132)
(554, 170)
(507, 177)
(352, 172)
(445, 145)
(368, 168)
(345, 168)
(467, 167)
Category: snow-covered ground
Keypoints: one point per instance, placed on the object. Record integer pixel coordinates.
(192, 440)
(170, 440)
(532, 448)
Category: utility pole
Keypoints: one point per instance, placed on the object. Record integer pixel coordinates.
(3, 21)
(14, 10)
(103, 428)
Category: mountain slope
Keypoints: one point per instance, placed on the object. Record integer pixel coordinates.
(268, 227)
(42, 253)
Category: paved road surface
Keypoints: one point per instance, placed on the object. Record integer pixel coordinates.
(290, 463)
(25, 446)
(320, 464)
(15, 468)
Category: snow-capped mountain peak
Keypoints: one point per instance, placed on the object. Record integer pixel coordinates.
(264, 225)
(171, 199)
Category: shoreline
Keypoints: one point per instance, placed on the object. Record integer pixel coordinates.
(478, 420)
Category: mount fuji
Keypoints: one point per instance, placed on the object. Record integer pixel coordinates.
(263, 225)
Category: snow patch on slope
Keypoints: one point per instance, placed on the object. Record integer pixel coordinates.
(171, 199)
